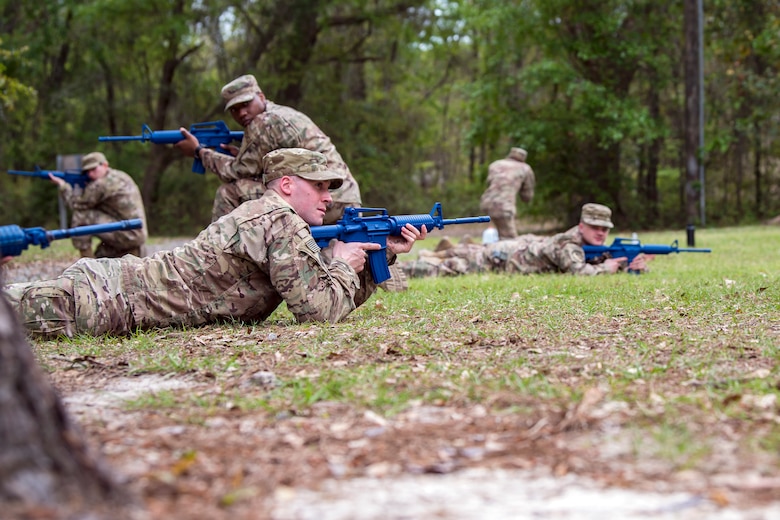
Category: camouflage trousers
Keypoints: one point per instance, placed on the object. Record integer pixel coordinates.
(231, 195)
(504, 256)
(113, 244)
(455, 261)
(505, 224)
(74, 303)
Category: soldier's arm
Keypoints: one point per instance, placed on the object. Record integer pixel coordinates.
(219, 163)
(247, 162)
(313, 288)
(571, 259)
(91, 196)
(527, 189)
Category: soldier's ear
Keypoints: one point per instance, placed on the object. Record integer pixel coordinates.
(286, 184)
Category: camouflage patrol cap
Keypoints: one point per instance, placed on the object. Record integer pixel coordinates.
(596, 215)
(240, 90)
(304, 163)
(517, 154)
(92, 160)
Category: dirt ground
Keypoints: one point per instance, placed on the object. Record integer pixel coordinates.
(336, 462)
(427, 462)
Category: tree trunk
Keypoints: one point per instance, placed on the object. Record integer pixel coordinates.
(691, 142)
(45, 464)
(757, 157)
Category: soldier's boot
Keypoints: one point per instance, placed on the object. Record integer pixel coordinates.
(443, 245)
(397, 281)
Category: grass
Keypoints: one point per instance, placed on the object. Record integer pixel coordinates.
(685, 349)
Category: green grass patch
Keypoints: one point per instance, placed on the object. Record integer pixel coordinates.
(686, 355)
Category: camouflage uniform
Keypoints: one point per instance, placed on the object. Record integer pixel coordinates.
(276, 127)
(526, 254)
(106, 200)
(240, 267)
(507, 177)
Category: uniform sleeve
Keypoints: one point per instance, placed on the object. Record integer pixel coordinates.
(66, 190)
(527, 189)
(247, 163)
(313, 289)
(572, 260)
(219, 163)
(283, 132)
(92, 195)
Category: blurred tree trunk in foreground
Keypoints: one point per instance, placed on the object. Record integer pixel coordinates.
(46, 469)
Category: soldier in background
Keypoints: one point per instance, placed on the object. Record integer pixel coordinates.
(527, 254)
(506, 178)
(241, 267)
(109, 196)
(267, 127)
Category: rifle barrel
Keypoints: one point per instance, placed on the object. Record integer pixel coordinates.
(465, 220)
(122, 138)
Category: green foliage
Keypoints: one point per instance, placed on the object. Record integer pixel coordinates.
(419, 97)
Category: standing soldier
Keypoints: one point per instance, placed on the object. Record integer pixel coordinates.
(267, 127)
(109, 196)
(507, 177)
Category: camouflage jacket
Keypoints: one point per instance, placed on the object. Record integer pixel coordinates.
(561, 253)
(116, 195)
(280, 127)
(507, 177)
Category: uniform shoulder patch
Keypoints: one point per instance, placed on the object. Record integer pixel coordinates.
(308, 240)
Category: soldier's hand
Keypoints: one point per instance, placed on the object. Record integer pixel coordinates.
(56, 180)
(614, 264)
(639, 263)
(188, 144)
(231, 148)
(354, 253)
(404, 243)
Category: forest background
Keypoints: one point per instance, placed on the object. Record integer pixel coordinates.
(419, 96)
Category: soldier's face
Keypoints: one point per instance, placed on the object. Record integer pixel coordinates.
(244, 113)
(594, 235)
(97, 172)
(310, 199)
